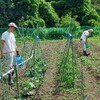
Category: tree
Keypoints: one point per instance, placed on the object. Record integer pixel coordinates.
(87, 13)
(81, 8)
(6, 14)
(47, 12)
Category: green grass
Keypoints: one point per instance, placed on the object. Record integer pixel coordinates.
(95, 40)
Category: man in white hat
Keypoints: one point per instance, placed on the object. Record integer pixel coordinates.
(84, 40)
(9, 48)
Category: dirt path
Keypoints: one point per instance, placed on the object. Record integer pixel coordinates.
(91, 86)
(51, 53)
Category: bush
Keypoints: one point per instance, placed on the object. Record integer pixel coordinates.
(48, 14)
(56, 33)
(50, 33)
(96, 31)
(41, 32)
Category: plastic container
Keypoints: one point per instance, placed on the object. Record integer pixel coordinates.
(87, 45)
(18, 60)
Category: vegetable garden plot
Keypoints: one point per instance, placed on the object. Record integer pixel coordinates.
(31, 74)
(71, 72)
(68, 66)
(28, 75)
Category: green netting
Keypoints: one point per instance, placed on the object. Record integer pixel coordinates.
(68, 65)
(50, 33)
(71, 71)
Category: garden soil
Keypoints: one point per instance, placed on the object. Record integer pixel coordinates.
(52, 52)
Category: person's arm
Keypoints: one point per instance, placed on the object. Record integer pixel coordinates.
(2, 45)
(86, 38)
(17, 51)
(16, 47)
(86, 34)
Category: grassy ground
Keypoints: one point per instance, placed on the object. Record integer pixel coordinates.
(95, 40)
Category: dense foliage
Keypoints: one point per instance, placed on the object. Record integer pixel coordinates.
(49, 13)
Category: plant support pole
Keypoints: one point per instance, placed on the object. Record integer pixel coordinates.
(17, 81)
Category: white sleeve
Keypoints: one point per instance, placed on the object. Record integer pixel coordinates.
(14, 37)
(3, 37)
(87, 33)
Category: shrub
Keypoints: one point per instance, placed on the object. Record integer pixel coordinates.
(56, 33)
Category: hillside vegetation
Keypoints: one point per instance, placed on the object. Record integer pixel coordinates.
(50, 13)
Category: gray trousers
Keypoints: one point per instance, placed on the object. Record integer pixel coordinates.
(10, 59)
(83, 45)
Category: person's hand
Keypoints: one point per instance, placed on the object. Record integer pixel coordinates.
(1, 55)
(17, 52)
(86, 41)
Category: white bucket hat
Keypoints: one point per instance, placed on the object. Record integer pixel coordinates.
(91, 30)
(12, 24)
